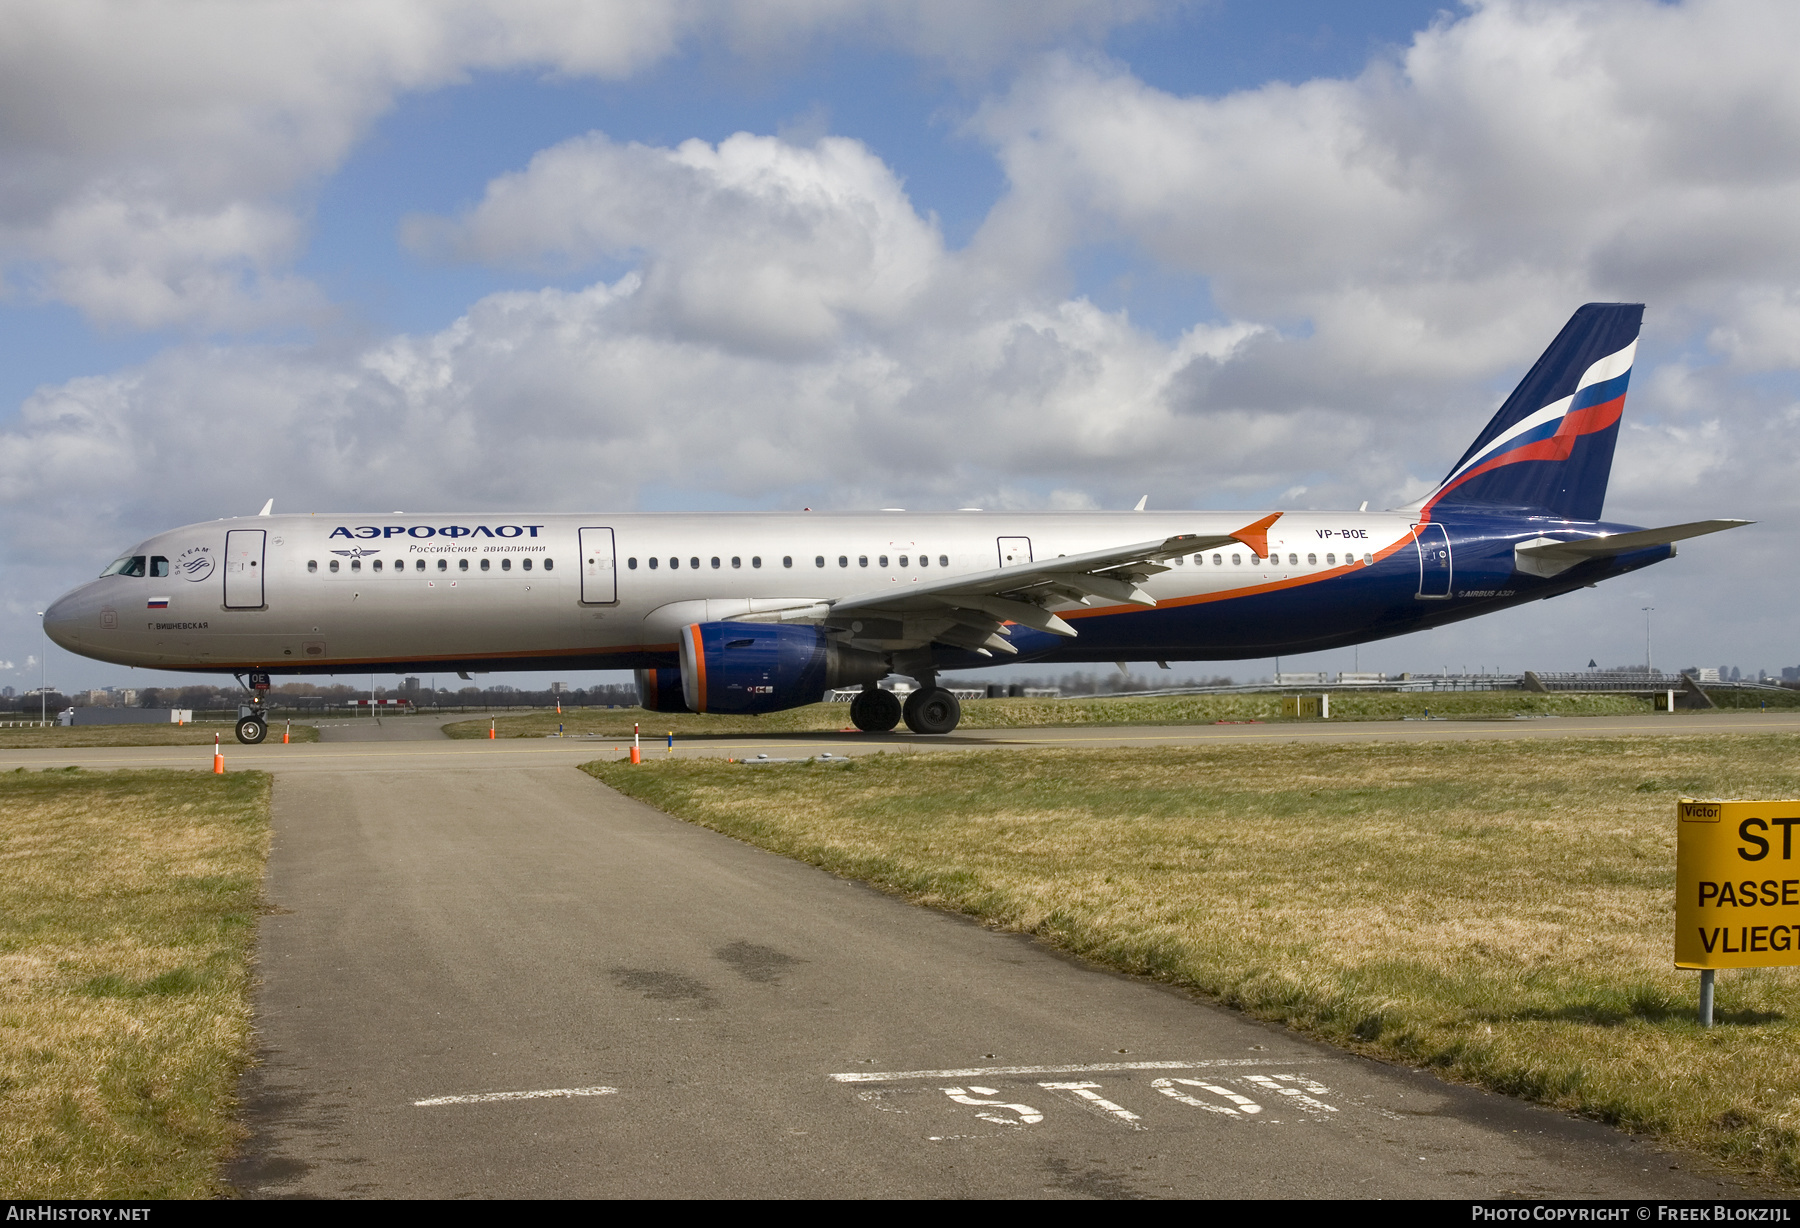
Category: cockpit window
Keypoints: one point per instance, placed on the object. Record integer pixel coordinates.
(130, 565)
(159, 566)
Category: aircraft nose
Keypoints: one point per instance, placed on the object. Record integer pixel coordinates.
(61, 617)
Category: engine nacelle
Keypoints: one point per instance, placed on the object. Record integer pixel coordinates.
(659, 690)
(765, 667)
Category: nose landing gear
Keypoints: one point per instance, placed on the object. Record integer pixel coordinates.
(253, 717)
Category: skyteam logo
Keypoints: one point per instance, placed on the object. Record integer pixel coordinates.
(1550, 434)
(194, 564)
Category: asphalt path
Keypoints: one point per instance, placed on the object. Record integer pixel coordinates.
(485, 974)
(502, 979)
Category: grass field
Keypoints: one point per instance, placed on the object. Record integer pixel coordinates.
(1500, 911)
(128, 905)
(140, 735)
(1099, 710)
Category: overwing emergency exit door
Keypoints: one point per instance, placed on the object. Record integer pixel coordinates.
(244, 568)
(1014, 550)
(599, 581)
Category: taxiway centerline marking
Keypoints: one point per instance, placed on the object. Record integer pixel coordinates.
(545, 1094)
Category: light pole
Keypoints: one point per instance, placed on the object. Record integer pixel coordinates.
(1648, 610)
(43, 700)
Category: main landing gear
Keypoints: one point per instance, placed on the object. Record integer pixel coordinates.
(930, 709)
(874, 710)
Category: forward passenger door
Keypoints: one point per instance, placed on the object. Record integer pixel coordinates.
(599, 579)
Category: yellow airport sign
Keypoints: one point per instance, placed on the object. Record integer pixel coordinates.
(1737, 884)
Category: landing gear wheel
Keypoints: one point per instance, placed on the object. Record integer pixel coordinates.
(933, 711)
(251, 730)
(875, 711)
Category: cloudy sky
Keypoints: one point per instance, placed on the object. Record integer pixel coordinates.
(565, 255)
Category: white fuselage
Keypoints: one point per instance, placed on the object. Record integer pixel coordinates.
(328, 593)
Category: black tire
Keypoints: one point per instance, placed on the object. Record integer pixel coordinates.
(933, 711)
(875, 711)
(251, 730)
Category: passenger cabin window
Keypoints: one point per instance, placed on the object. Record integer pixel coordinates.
(312, 564)
(819, 561)
(862, 560)
(485, 562)
(1237, 560)
(715, 563)
(653, 563)
(525, 563)
(505, 564)
(883, 560)
(674, 564)
(903, 560)
(334, 564)
(756, 560)
(737, 561)
(694, 563)
(550, 564)
(376, 565)
(462, 564)
(1331, 560)
(1218, 560)
(443, 564)
(1293, 560)
(1368, 560)
(924, 560)
(630, 564)
(787, 560)
(355, 564)
(1312, 560)
(843, 560)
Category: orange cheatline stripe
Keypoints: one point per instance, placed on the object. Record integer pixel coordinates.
(1247, 591)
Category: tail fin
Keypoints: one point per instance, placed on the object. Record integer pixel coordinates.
(1550, 447)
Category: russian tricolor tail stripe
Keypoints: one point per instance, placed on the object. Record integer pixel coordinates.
(1550, 447)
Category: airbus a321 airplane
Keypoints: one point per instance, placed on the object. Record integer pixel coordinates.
(757, 612)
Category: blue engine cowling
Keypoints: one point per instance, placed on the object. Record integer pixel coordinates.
(765, 667)
(659, 690)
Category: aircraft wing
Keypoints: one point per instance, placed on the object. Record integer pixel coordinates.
(1547, 556)
(972, 611)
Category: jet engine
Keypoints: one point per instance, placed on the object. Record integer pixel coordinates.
(765, 667)
(659, 690)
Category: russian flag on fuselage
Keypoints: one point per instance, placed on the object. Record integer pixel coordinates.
(1550, 447)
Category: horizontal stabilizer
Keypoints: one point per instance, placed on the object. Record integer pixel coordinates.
(1549, 556)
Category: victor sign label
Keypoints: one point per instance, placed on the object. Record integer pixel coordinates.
(1737, 884)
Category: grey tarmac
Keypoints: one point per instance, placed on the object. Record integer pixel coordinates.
(416, 743)
(485, 974)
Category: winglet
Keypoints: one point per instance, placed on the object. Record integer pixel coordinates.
(267, 508)
(1256, 536)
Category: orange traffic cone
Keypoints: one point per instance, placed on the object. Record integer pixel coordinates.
(490, 731)
(286, 732)
(218, 757)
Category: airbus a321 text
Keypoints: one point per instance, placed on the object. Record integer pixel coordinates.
(758, 612)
